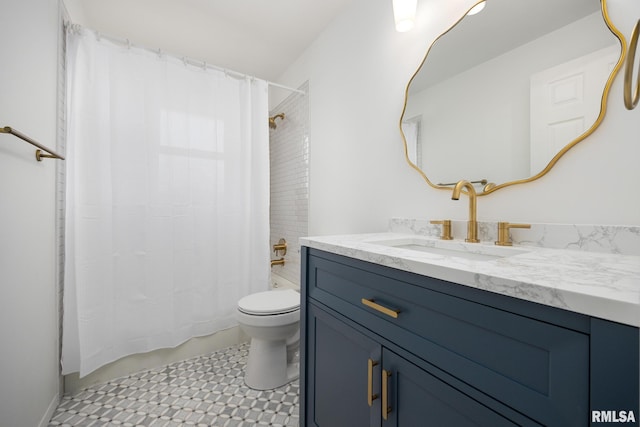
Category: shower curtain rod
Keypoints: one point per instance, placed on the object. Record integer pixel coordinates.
(286, 87)
(186, 60)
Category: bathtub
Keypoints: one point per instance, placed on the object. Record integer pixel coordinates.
(279, 282)
(194, 347)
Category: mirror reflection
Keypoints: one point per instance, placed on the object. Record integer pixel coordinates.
(505, 90)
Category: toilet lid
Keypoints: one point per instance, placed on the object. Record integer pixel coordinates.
(270, 302)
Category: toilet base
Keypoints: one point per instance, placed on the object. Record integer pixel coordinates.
(293, 372)
(267, 366)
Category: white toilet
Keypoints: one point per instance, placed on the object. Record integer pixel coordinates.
(272, 321)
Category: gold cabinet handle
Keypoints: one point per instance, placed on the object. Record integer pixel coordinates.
(370, 396)
(386, 409)
(382, 309)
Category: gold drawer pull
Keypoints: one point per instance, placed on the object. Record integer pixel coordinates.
(382, 309)
(370, 396)
(386, 409)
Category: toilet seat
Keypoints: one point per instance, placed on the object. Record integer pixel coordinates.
(270, 303)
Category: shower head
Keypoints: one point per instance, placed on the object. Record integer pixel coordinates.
(272, 120)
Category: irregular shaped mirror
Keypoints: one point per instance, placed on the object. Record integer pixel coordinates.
(506, 92)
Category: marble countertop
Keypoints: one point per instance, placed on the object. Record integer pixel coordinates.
(596, 284)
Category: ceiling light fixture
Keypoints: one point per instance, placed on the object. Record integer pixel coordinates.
(404, 14)
(477, 8)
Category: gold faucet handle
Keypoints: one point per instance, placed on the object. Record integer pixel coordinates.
(503, 232)
(446, 229)
(281, 246)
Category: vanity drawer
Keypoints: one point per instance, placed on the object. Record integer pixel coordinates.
(532, 366)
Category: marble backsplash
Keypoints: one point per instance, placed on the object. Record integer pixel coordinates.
(614, 239)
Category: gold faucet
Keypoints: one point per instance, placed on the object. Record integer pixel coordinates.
(446, 229)
(277, 262)
(503, 232)
(472, 224)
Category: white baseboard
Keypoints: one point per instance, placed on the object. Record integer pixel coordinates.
(44, 422)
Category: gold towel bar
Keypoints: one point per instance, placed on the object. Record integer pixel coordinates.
(50, 153)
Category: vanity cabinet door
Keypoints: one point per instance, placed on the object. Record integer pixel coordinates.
(338, 373)
(416, 398)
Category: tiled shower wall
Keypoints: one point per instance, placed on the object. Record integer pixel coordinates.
(289, 154)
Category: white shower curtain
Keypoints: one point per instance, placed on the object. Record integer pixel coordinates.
(167, 200)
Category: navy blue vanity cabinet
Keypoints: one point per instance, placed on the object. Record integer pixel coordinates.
(346, 364)
(384, 347)
(417, 398)
(355, 375)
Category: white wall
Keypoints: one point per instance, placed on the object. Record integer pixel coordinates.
(29, 378)
(357, 72)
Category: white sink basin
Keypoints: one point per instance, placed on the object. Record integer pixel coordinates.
(447, 248)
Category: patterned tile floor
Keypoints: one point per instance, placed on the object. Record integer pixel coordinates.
(203, 391)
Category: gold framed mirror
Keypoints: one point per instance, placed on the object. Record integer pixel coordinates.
(501, 95)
